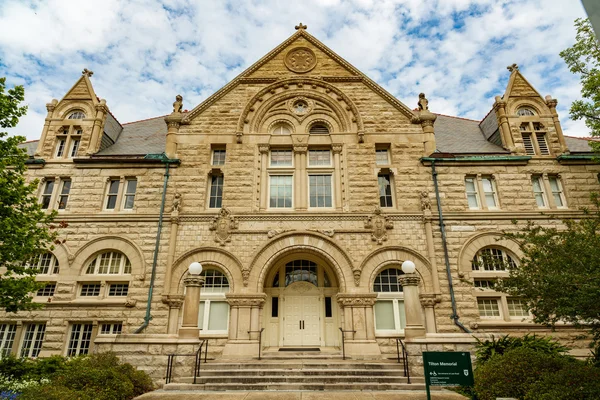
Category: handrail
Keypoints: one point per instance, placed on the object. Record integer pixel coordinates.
(343, 339)
(400, 343)
(259, 339)
(197, 360)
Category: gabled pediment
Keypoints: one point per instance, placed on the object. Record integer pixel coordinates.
(82, 89)
(518, 86)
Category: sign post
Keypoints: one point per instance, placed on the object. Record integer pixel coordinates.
(447, 368)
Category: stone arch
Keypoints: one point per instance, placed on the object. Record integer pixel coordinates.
(382, 258)
(299, 242)
(107, 243)
(207, 256)
(67, 106)
(64, 256)
(481, 240)
(536, 104)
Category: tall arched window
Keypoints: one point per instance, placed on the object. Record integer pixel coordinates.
(390, 317)
(109, 263)
(106, 275)
(46, 264)
(214, 311)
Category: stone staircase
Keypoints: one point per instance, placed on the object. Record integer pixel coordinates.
(310, 371)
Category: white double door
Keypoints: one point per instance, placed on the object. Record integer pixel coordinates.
(302, 320)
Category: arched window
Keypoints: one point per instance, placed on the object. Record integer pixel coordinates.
(109, 263)
(390, 317)
(319, 129)
(491, 259)
(78, 114)
(214, 310)
(46, 264)
(525, 112)
(300, 271)
(281, 129)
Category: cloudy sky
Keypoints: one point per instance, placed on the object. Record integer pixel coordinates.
(143, 52)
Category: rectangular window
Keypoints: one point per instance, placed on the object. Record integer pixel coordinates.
(47, 291)
(60, 147)
(74, 148)
(516, 308)
(274, 307)
(64, 194)
(129, 195)
(541, 142)
(281, 158)
(47, 264)
(216, 191)
(472, 193)
(118, 289)
(557, 192)
(390, 315)
(111, 329)
(213, 315)
(538, 191)
(318, 158)
(47, 194)
(111, 195)
(382, 157)
(32, 340)
(90, 289)
(80, 339)
(484, 284)
(320, 190)
(218, 157)
(385, 190)
(488, 308)
(280, 187)
(528, 143)
(328, 308)
(489, 191)
(7, 337)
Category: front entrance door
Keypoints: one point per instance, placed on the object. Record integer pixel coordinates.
(302, 317)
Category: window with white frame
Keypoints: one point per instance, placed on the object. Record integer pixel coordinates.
(492, 259)
(33, 338)
(472, 192)
(118, 289)
(382, 156)
(539, 193)
(61, 142)
(280, 191)
(384, 180)
(214, 310)
(489, 192)
(481, 192)
(126, 192)
(74, 146)
(281, 158)
(112, 194)
(320, 191)
(90, 290)
(489, 307)
(47, 291)
(517, 308)
(390, 317)
(68, 140)
(318, 158)
(112, 328)
(557, 191)
(65, 190)
(47, 194)
(129, 195)
(218, 156)
(80, 339)
(525, 112)
(7, 338)
(109, 263)
(215, 198)
(46, 264)
(556, 197)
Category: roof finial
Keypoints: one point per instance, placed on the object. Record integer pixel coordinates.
(87, 72)
(300, 26)
(513, 67)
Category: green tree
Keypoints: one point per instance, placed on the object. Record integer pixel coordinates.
(583, 59)
(26, 231)
(559, 273)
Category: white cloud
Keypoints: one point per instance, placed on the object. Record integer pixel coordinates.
(146, 51)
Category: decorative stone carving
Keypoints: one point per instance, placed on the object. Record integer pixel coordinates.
(427, 300)
(223, 225)
(357, 300)
(300, 106)
(425, 201)
(301, 287)
(300, 60)
(326, 232)
(409, 279)
(423, 102)
(274, 232)
(300, 26)
(513, 67)
(245, 300)
(87, 72)
(174, 301)
(356, 273)
(193, 281)
(378, 224)
(178, 104)
(130, 303)
(245, 276)
(176, 202)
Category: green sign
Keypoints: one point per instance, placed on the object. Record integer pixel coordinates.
(451, 368)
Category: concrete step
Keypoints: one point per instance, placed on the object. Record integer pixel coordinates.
(295, 386)
(293, 364)
(311, 379)
(304, 372)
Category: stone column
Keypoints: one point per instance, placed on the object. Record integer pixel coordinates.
(428, 302)
(427, 217)
(173, 123)
(50, 107)
(358, 317)
(244, 324)
(264, 184)
(427, 119)
(337, 167)
(552, 103)
(97, 131)
(171, 254)
(174, 302)
(500, 109)
(191, 307)
(300, 184)
(412, 305)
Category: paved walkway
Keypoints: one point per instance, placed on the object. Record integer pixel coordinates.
(390, 395)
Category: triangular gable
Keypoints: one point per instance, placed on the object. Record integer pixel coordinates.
(519, 86)
(82, 90)
(300, 33)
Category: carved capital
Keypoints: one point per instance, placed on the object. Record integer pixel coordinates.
(551, 103)
(193, 281)
(263, 148)
(300, 148)
(173, 120)
(357, 300)
(246, 300)
(498, 104)
(409, 279)
(336, 148)
(102, 107)
(51, 106)
(427, 300)
(174, 301)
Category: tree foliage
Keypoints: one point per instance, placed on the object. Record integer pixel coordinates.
(583, 59)
(26, 231)
(559, 273)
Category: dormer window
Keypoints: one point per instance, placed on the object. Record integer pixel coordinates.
(78, 114)
(534, 138)
(525, 112)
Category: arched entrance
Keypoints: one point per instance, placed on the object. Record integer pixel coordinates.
(301, 310)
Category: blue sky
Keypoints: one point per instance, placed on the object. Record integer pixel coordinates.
(144, 52)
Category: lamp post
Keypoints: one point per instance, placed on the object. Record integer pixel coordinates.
(412, 306)
(191, 305)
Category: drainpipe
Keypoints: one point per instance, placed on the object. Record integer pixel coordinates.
(454, 315)
(148, 316)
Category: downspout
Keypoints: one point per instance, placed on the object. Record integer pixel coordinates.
(454, 315)
(148, 316)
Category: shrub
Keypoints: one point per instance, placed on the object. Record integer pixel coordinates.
(575, 381)
(28, 369)
(514, 372)
(543, 344)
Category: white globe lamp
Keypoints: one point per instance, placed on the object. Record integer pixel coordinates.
(195, 268)
(408, 267)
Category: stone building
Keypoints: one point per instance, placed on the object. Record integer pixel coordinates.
(301, 187)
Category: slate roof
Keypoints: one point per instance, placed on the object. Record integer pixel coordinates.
(578, 144)
(139, 138)
(30, 147)
(462, 136)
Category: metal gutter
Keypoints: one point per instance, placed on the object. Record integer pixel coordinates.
(454, 315)
(471, 159)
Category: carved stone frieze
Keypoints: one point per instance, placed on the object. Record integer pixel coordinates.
(223, 225)
(275, 232)
(357, 300)
(245, 300)
(378, 224)
(326, 232)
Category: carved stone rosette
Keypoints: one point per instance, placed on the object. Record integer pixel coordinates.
(357, 300)
(246, 300)
(223, 225)
(378, 224)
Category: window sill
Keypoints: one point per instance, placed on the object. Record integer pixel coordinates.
(82, 302)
